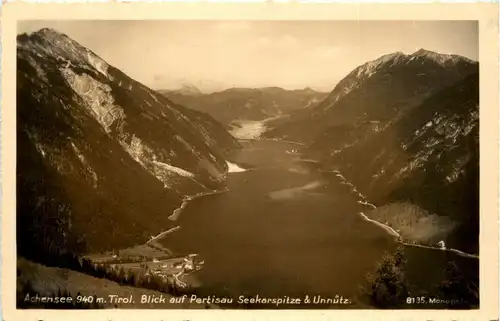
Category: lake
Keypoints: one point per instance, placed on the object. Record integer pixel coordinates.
(283, 229)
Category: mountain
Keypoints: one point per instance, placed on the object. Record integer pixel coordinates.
(420, 166)
(377, 91)
(403, 129)
(185, 90)
(248, 103)
(102, 160)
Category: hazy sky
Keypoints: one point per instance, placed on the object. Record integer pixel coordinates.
(215, 55)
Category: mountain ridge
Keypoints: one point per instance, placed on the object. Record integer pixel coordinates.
(254, 104)
(374, 90)
(368, 69)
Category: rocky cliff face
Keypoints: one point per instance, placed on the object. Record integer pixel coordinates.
(248, 103)
(404, 130)
(427, 155)
(102, 159)
(377, 91)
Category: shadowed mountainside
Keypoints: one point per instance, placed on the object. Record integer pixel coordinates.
(427, 155)
(102, 160)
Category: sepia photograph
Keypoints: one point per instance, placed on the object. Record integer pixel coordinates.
(248, 164)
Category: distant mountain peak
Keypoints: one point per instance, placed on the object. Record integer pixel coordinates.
(308, 90)
(184, 90)
(189, 89)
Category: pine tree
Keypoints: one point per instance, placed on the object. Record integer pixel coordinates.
(131, 278)
(121, 276)
(388, 288)
(458, 287)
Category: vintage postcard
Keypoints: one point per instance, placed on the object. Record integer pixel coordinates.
(198, 161)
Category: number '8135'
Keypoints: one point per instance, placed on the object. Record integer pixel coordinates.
(416, 300)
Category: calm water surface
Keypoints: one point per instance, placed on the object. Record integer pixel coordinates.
(283, 229)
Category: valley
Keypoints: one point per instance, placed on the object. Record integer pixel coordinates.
(316, 212)
(235, 105)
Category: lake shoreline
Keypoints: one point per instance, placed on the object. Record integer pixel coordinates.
(234, 217)
(232, 168)
(389, 229)
(406, 242)
(178, 211)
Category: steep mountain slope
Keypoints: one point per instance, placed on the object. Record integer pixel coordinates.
(247, 103)
(376, 91)
(426, 156)
(102, 160)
